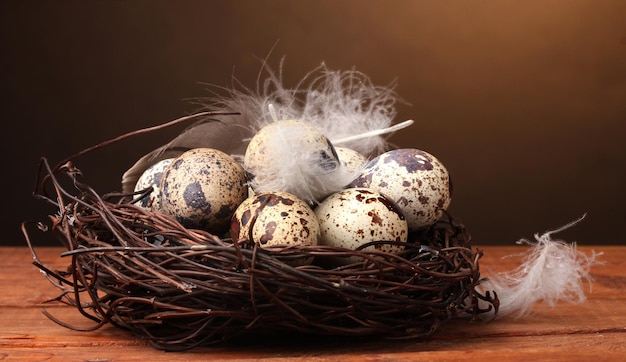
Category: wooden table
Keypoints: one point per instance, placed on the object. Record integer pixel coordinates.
(595, 329)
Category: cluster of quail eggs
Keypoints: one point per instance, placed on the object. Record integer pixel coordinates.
(389, 196)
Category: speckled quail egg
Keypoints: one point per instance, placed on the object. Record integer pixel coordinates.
(413, 179)
(352, 159)
(202, 188)
(151, 177)
(292, 156)
(355, 216)
(276, 218)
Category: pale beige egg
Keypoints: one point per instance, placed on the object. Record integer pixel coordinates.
(356, 216)
(284, 155)
(202, 188)
(413, 179)
(352, 159)
(276, 219)
(151, 177)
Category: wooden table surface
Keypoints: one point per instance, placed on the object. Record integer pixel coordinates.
(595, 329)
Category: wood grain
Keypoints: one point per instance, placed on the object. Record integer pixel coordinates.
(595, 329)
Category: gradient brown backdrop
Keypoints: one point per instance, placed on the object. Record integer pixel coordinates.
(523, 101)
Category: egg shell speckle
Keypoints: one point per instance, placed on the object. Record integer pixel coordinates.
(276, 218)
(414, 179)
(202, 188)
(151, 177)
(355, 216)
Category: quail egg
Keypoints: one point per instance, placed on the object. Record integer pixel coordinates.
(413, 179)
(202, 188)
(293, 156)
(151, 177)
(355, 216)
(352, 159)
(276, 218)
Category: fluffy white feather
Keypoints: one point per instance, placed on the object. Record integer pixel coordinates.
(344, 105)
(340, 103)
(552, 271)
(294, 157)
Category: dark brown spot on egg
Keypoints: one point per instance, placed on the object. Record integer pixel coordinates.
(305, 231)
(423, 200)
(273, 200)
(245, 217)
(270, 227)
(194, 197)
(364, 180)
(403, 201)
(359, 197)
(411, 159)
(375, 218)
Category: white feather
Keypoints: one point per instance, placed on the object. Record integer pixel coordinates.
(345, 104)
(341, 104)
(298, 160)
(552, 271)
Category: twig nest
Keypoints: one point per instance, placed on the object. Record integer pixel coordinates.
(276, 219)
(202, 188)
(142, 271)
(354, 217)
(414, 179)
(151, 177)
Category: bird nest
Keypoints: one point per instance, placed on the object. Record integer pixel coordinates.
(179, 288)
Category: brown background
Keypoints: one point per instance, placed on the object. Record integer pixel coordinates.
(523, 101)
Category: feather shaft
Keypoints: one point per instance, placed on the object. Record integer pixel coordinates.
(373, 133)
